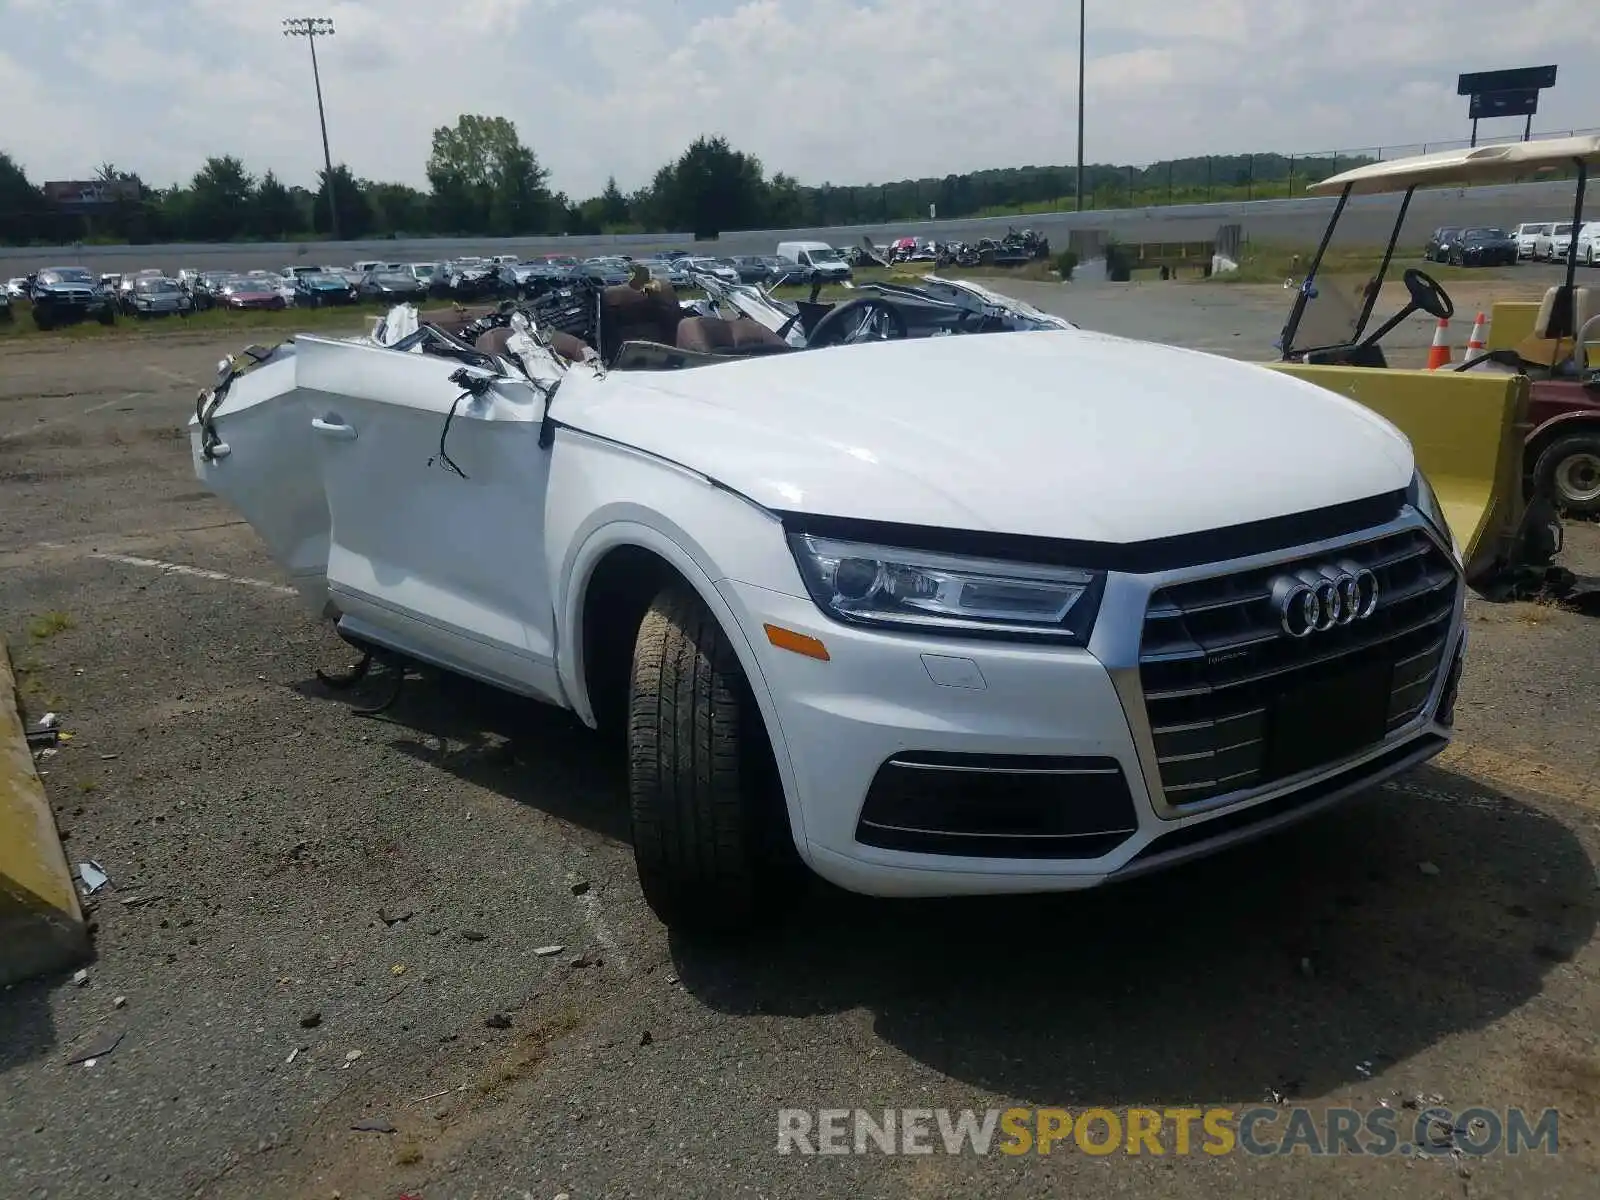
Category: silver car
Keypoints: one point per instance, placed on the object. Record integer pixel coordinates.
(158, 296)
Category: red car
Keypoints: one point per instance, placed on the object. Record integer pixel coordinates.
(250, 292)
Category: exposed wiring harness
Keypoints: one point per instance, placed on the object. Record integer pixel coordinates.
(471, 385)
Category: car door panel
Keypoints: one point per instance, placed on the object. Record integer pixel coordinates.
(449, 563)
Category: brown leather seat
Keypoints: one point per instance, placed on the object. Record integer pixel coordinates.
(713, 335)
(631, 314)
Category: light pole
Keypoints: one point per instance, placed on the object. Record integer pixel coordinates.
(311, 28)
(1082, 21)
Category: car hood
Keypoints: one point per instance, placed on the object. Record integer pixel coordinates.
(1061, 433)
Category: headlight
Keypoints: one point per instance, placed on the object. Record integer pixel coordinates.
(941, 593)
(1420, 495)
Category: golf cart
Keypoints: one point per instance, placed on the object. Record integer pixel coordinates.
(1508, 438)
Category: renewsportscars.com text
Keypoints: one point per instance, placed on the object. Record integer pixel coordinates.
(1376, 1132)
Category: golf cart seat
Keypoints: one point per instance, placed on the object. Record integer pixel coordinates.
(1562, 312)
(714, 335)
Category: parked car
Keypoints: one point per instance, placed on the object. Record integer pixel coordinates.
(318, 288)
(1527, 236)
(605, 271)
(1589, 243)
(422, 272)
(1438, 247)
(125, 286)
(534, 278)
(1552, 243)
(251, 292)
(1483, 246)
(159, 296)
(718, 268)
(392, 286)
(65, 295)
(17, 287)
(205, 287)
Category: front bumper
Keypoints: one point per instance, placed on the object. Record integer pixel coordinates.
(933, 766)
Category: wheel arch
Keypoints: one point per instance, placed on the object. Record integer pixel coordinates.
(613, 577)
(1551, 431)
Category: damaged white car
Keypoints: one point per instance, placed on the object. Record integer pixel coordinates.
(925, 612)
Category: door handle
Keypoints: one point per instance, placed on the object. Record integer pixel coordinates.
(334, 429)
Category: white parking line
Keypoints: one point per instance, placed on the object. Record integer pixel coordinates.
(166, 568)
(172, 375)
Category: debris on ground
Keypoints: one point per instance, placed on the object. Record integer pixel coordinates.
(97, 1049)
(49, 721)
(585, 960)
(80, 977)
(645, 1039)
(473, 935)
(137, 901)
(1427, 868)
(374, 1125)
(1306, 969)
(311, 1020)
(120, 1002)
(350, 1058)
(580, 888)
(93, 876)
(394, 918)
(498, 1020)
(547, 951)
(1364, 1068)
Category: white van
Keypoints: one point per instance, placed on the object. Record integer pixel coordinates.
(816, 256)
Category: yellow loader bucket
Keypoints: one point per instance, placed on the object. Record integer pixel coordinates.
(1467, 432)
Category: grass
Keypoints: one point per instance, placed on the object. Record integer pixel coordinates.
(47, 626)
(289, 320)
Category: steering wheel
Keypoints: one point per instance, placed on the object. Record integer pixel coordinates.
(859, 320)
(1428, 295)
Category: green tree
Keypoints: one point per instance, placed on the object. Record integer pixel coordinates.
(397, 208)
(712, 187)
(276, 214)
(355, 215)
(221, 196)
(484, 179)
(613, 204)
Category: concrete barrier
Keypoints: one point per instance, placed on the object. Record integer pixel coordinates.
(41, 923)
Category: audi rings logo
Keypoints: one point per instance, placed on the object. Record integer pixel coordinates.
(1316, 599)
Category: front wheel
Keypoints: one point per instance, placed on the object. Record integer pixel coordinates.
(1569, 472)
(711, 836)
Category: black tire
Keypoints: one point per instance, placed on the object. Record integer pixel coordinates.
(1568, 471)
(108, 316)
(42, 321)
(711, 835)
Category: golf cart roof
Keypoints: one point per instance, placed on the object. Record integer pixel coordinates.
(1511, 161)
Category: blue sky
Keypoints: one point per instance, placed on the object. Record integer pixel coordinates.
(843, 91)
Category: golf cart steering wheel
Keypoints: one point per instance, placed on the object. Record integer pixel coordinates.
(862, 319)
(1428, 295)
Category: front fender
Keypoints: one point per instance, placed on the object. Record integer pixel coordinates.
(585, 522)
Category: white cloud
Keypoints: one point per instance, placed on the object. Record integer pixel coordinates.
(846, 91)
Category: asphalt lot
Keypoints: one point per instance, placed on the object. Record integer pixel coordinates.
(292, 885)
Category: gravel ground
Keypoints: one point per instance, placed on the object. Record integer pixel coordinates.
(316, 919)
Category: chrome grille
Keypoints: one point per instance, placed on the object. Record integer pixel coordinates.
(1221, 678)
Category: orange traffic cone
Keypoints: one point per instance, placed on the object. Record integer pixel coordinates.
(1477, 342)
(1439, 352)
